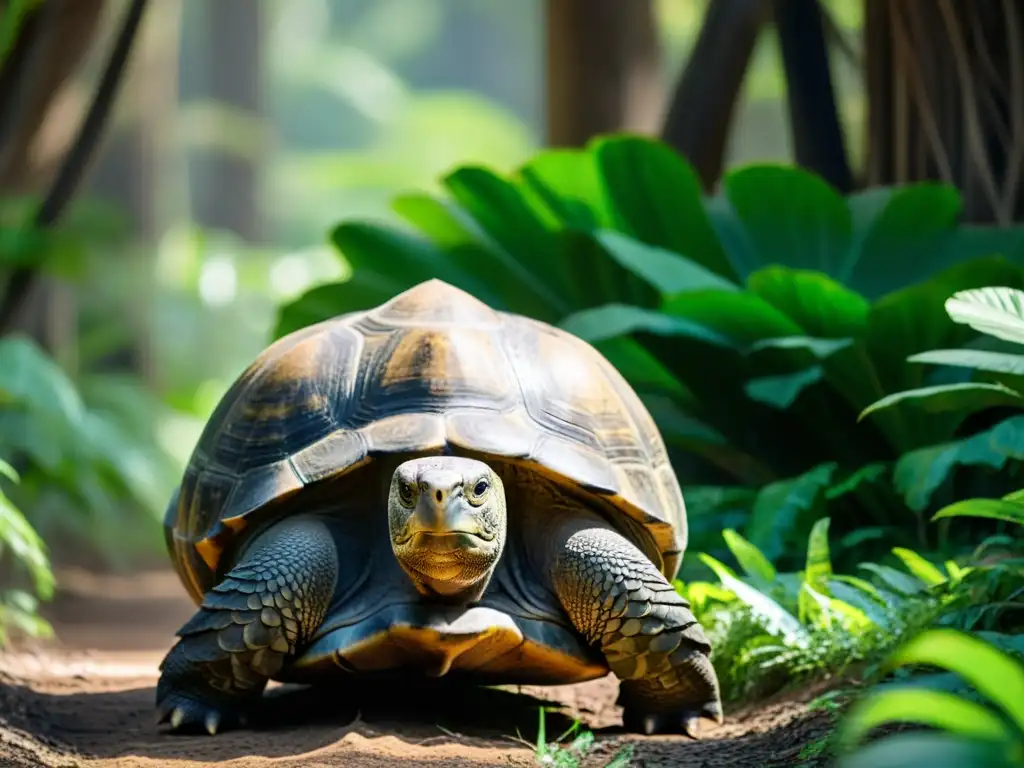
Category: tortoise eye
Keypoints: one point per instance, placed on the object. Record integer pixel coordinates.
(481, 488)
(405, 493)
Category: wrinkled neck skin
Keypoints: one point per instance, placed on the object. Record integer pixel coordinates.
(447, 523)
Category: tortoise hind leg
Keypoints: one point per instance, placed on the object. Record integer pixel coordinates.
(620, 602)
(248, 626)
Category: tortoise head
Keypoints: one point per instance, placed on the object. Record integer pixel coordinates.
(447, 520)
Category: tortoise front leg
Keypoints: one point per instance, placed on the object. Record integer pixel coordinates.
(621, 603)
(247, 626)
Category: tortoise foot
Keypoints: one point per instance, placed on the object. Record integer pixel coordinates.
(674, 701)
(638, 719)
(195, 713)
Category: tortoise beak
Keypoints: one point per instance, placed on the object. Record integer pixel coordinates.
(444, 520)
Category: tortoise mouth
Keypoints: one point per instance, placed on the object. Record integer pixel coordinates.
(445, 541)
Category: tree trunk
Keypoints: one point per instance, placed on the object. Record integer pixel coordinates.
(228, 195)
(603, 69)
(133, 156)
(699, 119)
(945, 84)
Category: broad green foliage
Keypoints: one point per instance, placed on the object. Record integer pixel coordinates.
(94, 457)
(755, 325)
(19, 542)
(769, 628)
(997, 312)
(969, 733)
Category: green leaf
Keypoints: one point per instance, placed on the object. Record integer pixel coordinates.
(750, 558)
(932, 708)
(779, 506)
(568, 183)
(360, 292)
(993, 673)
(464, 253)
(866, 475)
(612, 320)
(907, 240)
(997, 311)
(980, 360)
(9, 472)
(818, 304)
(857, 598)
(669, 272)
(921, 568)
(897, 580)
(935, 750)
(918, 474)
(742, 316)
(21, 539)
(657, 198)
(501, 211)
(963, 398)
(782, 391)
(819, 348)
(776, 619)
(993, 509)
(29, 376)
(914, 320)
(819, 563)
(818, 569)
(793, 217)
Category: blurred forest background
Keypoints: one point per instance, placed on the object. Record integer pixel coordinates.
(242, 132)
(794, 226)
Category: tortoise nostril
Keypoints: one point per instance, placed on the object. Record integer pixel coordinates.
(439, 496)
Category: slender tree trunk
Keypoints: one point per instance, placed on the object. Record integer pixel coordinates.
(946, 99)
(133, 157)
(699, 119)
(228, 196)
(603, 69)
(35, 109)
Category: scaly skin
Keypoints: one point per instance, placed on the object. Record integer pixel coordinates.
(619, 601)
(247, 626)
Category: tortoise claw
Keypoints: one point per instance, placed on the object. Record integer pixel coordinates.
(191, 715)
(688, 721)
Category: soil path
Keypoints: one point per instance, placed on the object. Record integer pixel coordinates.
(87, 700)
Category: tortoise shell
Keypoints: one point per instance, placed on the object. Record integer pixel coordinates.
(432, 370)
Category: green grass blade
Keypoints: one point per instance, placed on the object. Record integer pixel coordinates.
(750, 558)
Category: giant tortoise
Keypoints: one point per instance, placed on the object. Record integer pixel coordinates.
(430, 488)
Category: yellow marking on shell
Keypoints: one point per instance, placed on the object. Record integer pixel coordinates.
(210, 551)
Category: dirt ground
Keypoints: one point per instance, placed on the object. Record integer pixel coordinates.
(87, 700)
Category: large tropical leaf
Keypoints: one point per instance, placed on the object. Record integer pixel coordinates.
(906, 240)
(920, 473)
(978, 359)
(993, 509)
(997, 311)
(781, 507)
(567, 183)
(950, 398)
(792, 217)
(913, 320)
(656, 196)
